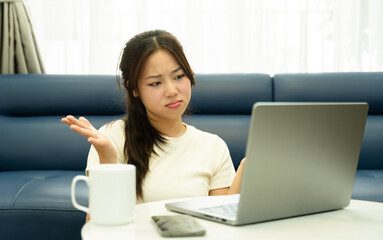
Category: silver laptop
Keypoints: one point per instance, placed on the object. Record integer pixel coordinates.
(301, 159)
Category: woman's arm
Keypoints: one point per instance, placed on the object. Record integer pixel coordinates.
(104, 147)
(235, 186)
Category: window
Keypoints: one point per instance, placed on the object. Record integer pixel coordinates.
(218, 36)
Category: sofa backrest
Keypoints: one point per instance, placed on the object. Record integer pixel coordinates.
(31, 106)
(341, 87)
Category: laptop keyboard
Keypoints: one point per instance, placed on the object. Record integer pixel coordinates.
(229, 210)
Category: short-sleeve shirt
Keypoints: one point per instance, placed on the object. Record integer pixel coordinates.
(187, 166)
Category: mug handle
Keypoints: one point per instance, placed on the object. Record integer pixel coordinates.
(74, 202)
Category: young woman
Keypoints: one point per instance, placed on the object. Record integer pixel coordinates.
(172, 159)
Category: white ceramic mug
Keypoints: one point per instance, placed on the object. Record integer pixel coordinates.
(112, 193)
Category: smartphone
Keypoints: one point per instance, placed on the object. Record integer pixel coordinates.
(177, 226)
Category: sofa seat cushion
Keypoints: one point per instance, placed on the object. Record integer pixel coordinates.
(38, 203)
(36, 190)
(368, 185)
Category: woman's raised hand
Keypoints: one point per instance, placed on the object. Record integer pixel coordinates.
(104, 147)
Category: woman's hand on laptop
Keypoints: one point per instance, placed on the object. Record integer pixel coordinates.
(235, 187)
(104, 147)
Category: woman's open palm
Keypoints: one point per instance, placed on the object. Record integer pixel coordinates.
(101, 143)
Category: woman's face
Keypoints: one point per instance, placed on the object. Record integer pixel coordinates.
(163, 87)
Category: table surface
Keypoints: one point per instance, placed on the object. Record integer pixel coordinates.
(360, 220)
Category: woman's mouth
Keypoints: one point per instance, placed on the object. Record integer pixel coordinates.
(174, 104)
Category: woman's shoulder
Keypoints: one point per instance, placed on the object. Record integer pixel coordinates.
(204, 136)
(113, 128)
(209, 144)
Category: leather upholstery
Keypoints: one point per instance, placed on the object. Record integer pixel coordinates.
(368, 185)
(230, 94)
(331, 87)
(36, 205)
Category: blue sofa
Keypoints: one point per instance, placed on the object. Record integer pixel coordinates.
(39, 155)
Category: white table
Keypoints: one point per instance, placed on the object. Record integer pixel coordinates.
(360, 220)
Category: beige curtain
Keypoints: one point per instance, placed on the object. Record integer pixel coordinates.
(18, 48)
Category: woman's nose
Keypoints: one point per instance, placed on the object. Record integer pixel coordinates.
(171, 90)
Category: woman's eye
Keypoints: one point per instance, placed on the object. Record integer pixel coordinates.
(180, 76)
(154, 84)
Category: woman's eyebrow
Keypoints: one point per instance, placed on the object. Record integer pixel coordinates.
(154, 76)
(159, 75)
(177, 69)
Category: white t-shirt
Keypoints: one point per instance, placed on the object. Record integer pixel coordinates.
(188, 166)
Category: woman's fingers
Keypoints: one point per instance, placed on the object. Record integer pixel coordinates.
(81, 126)
(86, 122)
(81, 122)
(83, 131)
(85, 128)
(78, 122)
(70, 120)
(66, 120)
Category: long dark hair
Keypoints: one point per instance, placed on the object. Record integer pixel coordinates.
(140, 135)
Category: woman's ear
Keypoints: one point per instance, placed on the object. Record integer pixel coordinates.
(135, 94)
